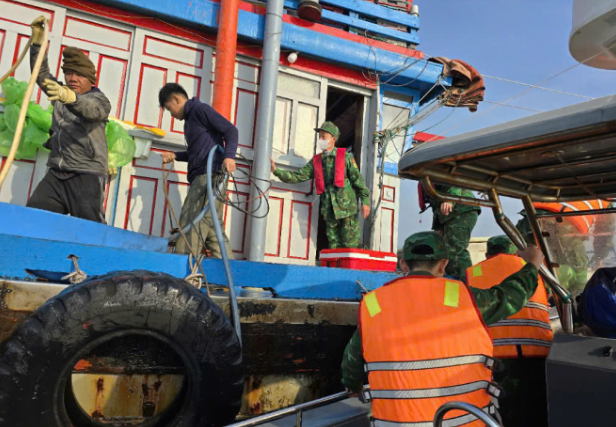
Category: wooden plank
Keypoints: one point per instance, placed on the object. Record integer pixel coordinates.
(370, 9)
(410, 37)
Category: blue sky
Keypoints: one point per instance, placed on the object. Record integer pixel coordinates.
(523, 40)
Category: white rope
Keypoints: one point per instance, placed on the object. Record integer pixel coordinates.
(195, 278)
(76, 276)
(500, 79)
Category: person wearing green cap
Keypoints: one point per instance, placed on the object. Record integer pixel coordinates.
(339, 182)
(522, 341)
(426, 256)
(455, 221)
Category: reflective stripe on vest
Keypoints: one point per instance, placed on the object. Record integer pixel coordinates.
(429, 364)
(537, 305)
(424, 393)
(424, 344)
(339, 170)
(522, 322)
(530, 323)
(449, 422)
(573, 208)
(522, 341)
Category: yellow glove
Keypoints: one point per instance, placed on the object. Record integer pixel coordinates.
(38, 30)
(57, 92)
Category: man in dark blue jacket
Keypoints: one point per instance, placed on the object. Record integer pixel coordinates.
(204, 128)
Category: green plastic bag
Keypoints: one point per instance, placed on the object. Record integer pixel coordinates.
(39, 117)
(11, 115)
(14, 91)
(32, 138)
(121, 146)
(2, 123)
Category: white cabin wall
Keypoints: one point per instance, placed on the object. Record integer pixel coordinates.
(132, 64)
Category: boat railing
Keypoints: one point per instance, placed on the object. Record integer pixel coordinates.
(298, 410)
(466, 407)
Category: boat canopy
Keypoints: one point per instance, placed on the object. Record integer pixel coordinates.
(561, 155)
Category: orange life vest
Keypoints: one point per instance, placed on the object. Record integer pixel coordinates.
(528, 332)
(339, 170)
(425, 344)
(582, 223)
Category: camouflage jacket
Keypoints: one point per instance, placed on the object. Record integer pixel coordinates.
(336, 203)
(458, 208)
(494, 304)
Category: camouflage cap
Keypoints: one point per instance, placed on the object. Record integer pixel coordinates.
(329, 127)
(500, 245)
(425, 246)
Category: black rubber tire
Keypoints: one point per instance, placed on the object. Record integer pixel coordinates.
(36, 361)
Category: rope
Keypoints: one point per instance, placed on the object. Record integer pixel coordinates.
(24, 105)
(18, 62)
(195, 278)
(76, 276)
(166, 173)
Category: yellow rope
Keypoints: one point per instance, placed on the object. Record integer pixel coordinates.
(24, 105)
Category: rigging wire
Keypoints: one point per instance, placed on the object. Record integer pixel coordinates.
(500, 79)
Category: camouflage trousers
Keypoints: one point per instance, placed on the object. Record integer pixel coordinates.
(203, 234)
(457, 233)
(343, 233)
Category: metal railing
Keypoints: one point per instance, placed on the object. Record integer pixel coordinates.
(298, 410)
(467, 407)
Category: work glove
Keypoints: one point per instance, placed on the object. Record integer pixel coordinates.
(38, 30)
(57, 92)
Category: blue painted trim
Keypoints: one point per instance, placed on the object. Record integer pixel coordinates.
(301, 39)
(286, 281)
(27, 222)
(295, 281)
(391, 168)
(410, 37)
(376, 11)
(19, 253)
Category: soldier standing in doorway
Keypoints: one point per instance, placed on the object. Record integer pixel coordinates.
(339, 182)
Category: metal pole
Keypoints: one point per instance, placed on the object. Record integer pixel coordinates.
(467, 407)
(264, 131)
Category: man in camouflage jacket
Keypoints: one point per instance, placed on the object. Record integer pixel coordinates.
(338, 202)
(455, 222)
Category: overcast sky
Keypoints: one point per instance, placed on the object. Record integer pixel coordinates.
(523, 40)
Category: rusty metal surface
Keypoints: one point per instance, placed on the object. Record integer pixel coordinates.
(125, 398)
(292, 354)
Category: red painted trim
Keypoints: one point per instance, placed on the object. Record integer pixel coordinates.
(224, 223)
(391, 232)
(31, 177)
(3, 40)
(255, 51)
(198, 95)
(425, 137)
(160, 110)
(394, 191)
(308, 231)
(130, 193)
(254, 119)
(181, 46)
(18, 49)
(122, 77)
(95, 24)
(51, 12)
(279, 231)
(158, 150)
(106, 193)
(292, 191)
(166, 206)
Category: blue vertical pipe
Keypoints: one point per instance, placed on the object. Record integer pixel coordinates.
(264, 131)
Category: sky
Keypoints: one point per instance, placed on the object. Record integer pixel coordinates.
(522, 40)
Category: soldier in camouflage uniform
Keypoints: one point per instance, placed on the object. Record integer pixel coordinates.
(455, 222)
(338, 202)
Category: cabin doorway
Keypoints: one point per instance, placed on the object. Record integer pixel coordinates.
(346, 109)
